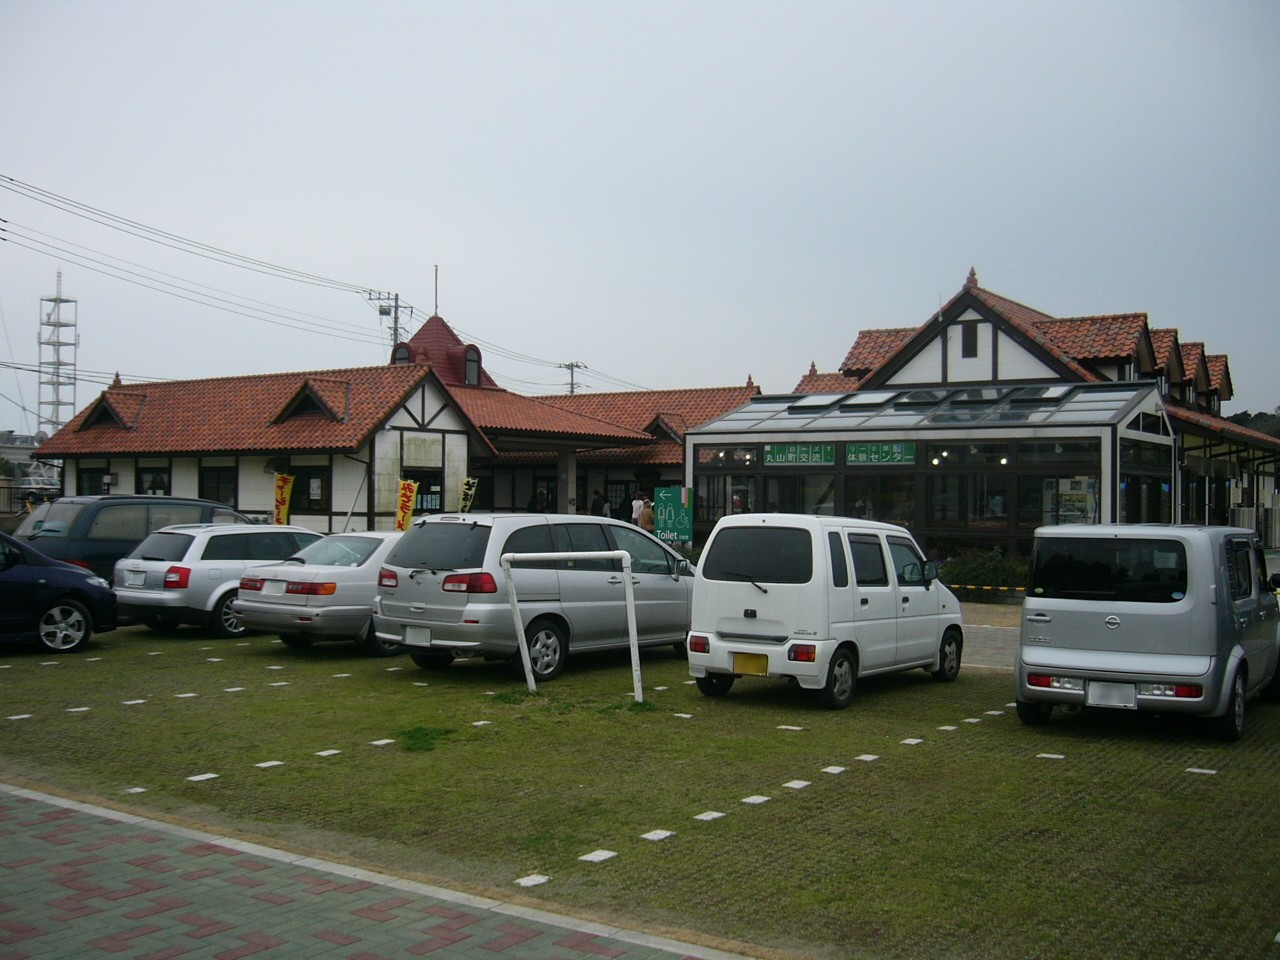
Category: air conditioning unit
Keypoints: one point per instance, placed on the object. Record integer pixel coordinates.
(1244, 517)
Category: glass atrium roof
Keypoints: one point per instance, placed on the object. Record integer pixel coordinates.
(1002, 405)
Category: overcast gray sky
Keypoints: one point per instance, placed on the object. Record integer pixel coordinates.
(673, 194)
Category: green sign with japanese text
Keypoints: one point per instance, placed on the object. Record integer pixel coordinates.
(673, 514)
(787, 454)
(872, 454)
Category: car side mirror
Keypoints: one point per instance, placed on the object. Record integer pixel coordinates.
(684, 568)
(9, 558)
(930, 572)
(1275, 581)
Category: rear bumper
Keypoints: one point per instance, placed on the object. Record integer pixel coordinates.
(486, 639)
(1075, 685)
(741, 658)
(307, 621)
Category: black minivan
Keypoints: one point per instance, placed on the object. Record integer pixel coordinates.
(95, 531)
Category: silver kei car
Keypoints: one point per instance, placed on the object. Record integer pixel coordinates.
(443, 592)
(189, 573)
(323, 592)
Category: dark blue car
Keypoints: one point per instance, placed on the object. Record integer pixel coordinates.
(55, 603)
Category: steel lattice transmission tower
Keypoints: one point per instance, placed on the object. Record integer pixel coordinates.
(59, 339)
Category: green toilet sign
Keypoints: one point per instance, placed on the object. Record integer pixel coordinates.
(673, 514)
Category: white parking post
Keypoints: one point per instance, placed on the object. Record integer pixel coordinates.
(630, 594)
(521, 642)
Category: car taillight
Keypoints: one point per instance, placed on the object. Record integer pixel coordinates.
(1055, 683)
(699, 643)
(249, 584)
(1181, 691)
(80, 563)
(177, 578)
(311, 589)
(388, 578)
(469, 583)
(803, 653)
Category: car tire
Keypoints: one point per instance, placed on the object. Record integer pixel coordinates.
(65, 626)
(1034, 714)
(369, 644)
(715, 684)
(948, 657)
(295, 641)
(842, 678)
(1230, 726)
(224, 621)
(432, 661)
(548, 648)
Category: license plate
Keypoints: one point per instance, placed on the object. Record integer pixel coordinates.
(1104, 694)
(417, 636)
(751, 664)
(134, 578)
(273, 588)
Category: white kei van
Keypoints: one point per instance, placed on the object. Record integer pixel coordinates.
(1170, 619)
(820, 600)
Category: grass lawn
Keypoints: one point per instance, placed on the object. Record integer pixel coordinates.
(970, 843)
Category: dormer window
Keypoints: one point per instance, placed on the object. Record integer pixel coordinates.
(471, 373)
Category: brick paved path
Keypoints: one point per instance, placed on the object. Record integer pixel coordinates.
(81, 882)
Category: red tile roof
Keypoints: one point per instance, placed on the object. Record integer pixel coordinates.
(677, 410)
(1168, 352)
(238, 414)
(874, 347)
(436, 343)
(1218, 426)
(497, 411)
(815, 382)
(1116, 337)
(1219, 375)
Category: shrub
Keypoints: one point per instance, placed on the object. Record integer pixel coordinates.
(971, 572)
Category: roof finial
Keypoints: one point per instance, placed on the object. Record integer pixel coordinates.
(813, 368)
(750, 382)
(116, 382)
(972, 280)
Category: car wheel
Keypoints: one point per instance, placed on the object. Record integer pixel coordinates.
(225, 622)
(295, 641)
(1230, 726)
(948, 657)
(1034, 714)
(369, 643)
(64, 626)
(432, 661)
(842, 677)
(715, 684)
(548, 648)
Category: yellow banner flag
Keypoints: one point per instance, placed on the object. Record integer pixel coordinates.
(284, 488)
(404, 506)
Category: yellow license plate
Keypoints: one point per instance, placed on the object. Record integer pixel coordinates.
(751, 664)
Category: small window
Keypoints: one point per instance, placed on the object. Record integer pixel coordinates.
(219, 484)
(1240, 569)
(839, 569)
(868, 560)
(906, 563)
(311, 490)
(153, 481)
(473, 367)
(969, 339)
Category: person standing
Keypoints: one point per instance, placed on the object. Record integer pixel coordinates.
(645, 520)
(597, 505)
(637, 504)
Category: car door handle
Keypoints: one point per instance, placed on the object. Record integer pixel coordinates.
(617, 581)
(1039, 618)
(905, 601)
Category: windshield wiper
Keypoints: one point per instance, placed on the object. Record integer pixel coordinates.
(746, 578)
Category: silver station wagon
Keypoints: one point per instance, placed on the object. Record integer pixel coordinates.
(442, 592)
(1168, 619)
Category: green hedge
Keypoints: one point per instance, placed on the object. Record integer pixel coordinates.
(969, 574)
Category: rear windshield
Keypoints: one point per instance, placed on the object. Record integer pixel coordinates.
(759, 554)
(163, 546)
(339, 551)
(49, 521)
(442, 546)
(1108, 568)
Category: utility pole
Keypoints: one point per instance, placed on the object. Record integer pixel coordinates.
(389, 306)
(571, 367)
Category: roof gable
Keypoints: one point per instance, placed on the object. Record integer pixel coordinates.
(329, 399)
(436, 343)
(120, 409)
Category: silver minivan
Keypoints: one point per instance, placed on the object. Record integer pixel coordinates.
(442, 592)
(822, 601)
(1168, 619)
